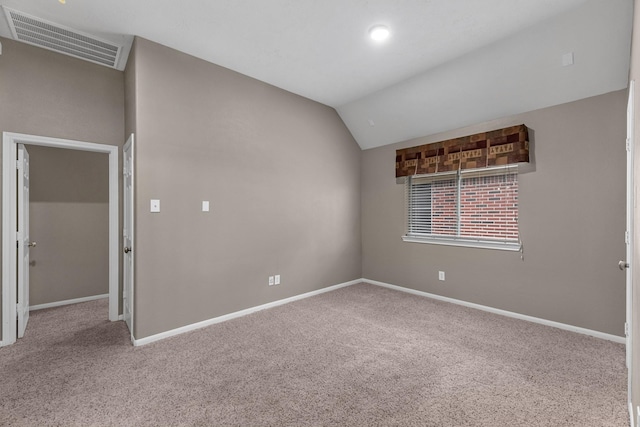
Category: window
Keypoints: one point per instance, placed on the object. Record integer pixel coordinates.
(475, 207)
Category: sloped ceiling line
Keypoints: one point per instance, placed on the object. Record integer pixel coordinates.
(447, 63)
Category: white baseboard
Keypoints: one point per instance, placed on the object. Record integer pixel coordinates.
(633, 421)
(67, 302)
(204, 323)
(602, 335)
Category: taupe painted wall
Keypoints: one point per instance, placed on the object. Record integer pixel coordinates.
(635, 262)
(48, 94)
(282, 174)
(69, 214)
(130, 87)
(572, 223)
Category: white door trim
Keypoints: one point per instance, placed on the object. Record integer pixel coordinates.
(128, 259)
(10, 142)
(629, 240)
(23, 238)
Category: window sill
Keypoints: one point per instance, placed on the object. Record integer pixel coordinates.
(467, 243)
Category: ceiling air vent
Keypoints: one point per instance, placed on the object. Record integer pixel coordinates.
(38, 32)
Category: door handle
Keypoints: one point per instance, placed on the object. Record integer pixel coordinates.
(127, 249)
(622, 265)
(32, 244)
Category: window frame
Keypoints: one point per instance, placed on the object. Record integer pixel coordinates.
(457, 240)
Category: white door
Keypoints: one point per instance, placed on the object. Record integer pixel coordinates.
(23, 239)
(629, 233)
(127, 262)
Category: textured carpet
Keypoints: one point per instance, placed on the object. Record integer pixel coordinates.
(357, 356)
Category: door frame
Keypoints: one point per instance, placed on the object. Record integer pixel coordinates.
(24, 241)
(630, 242)
(128, 209)
(10, 143)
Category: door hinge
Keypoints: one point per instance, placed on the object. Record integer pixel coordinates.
(628, 144)
(626, 237)
(626, 329)
(18, 164)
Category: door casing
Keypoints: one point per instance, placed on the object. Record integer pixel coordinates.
(10, 143)
(23, 239)
(629, 242)
(128, 258)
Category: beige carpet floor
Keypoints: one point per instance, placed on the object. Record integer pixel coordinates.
(357, 356)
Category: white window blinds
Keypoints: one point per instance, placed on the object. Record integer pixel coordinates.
(470, 206)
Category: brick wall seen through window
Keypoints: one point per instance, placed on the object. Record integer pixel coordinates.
(474, 206)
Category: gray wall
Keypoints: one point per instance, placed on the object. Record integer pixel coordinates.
(282, 174)
(572, 223)
(48, 94)
(130, 96)
(69, 214)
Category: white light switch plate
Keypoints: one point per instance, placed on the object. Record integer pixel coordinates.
(277, 279)
(155, 205)
(205, 206)
(567, 59)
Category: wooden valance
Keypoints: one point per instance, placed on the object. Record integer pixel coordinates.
(498, 147)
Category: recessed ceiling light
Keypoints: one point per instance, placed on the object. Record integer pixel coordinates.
(379, 33)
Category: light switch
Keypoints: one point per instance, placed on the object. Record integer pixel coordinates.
(155, 205)
(205, 206)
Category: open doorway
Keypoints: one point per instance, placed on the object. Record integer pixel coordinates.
(68, 227)
(10, 273)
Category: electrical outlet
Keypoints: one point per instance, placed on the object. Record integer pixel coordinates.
(441, 275)
(271, 280)
(277, 279)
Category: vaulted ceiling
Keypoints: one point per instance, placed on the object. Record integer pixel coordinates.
(447, 63)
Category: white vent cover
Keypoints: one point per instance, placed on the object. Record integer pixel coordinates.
(51, 36)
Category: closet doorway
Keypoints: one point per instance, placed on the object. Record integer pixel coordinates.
(14, 285)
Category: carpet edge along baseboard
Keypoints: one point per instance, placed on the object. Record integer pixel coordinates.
(223, 318)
